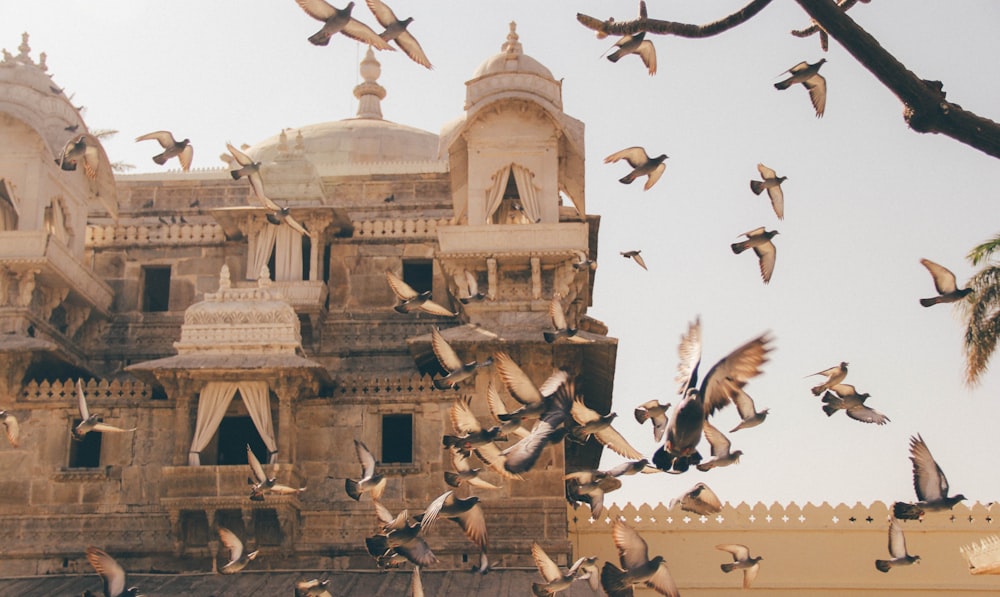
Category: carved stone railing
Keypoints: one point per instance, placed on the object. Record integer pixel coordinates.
(399, 228)
(95, 391)
(164, 234)
(385, 387)
(303, 295)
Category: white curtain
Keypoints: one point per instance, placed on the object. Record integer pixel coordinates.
(260, 248)
(527, 192)
(212, 404)
(494, 195)
(287, 254)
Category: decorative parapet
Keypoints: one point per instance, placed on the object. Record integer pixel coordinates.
(96, 391)
(423, 228)
(172, 234)
(363, 385)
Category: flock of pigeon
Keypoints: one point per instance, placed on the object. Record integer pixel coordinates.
(557, 409)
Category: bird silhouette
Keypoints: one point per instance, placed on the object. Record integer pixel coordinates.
(238, 557)
(182, 150)
(468, 287)
(637, 567)
(759, 240)
(11, 427)
(700, 499)
(555, 579)
(635, 256)
(642, 165)
(741, 561)
(834, 375)
(808, 75)
(336, 20)
(721, 453)
(653, 410)
(473, 435)
(590, 423)
(844, 397)
(589, 487)
(897, 549)
(370, 482)
(91, 422)
(636, 44)
(261, 484)
(466, 512)
(457, 369)
(749, 415)
(534, 399)
(411, 300)
(111, 572)
(81, 148)
(560, 328)
(945, 284)
(772, 184)
(929, 483)
(523, 455)
(396, 30)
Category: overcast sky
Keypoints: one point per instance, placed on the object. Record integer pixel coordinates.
(865, 198)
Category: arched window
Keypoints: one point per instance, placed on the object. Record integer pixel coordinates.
(513, 197)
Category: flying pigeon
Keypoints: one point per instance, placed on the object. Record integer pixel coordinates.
(396, 30)
(944, 282)
(523, 455)
(411, 300)
(238, 559)
(464, 473)
(469, 287)
(845, 397)
(834, 375)
(337, 20)
(808, 75)
(262, 484)
(313, 588)
(741, 561)
(642, 165)
(637, 568)
(370, 482)
(700, 499)
(182, 150)
(477, 439)
(91, 422)
(749, 415)
(534, 399)
(81, 148)
(457, 369)
(555, 579)
(772, 184)
(111, 573)
(405, 541)
(634, 255)
(653, 410)
(466, 512)
(929, 483)
(721, 454)
(593, 424)
(558, 317)
(498, 407)
(636, 44)
(589, 487)
(897, 549)
(731, 373)
(248, 168)
(582, 261)
(759, 240)
(12, 428)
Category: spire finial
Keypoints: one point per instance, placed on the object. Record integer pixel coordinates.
(370, 93)
(512, 46)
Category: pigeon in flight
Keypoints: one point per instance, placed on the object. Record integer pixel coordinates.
(466, 512)
(558, 317)
(248, 168)
(336, 21)
(642, 165)
(396, 30)
(182, 150)
(400, 539)
(637, 567)
(457, 369)
(749, 415)
(844, 397)
(808, 75)
(469, 287)
(464, 473)
(593, 424)
(498, 407)
(411, 300)
(929, 483)
(111, 572)
(944, 282)
(589, 487)
(897, 549)
(582, 261)
(262, 484)
(91, 422)
(834, 375)
(534, 399)
(523, 455)
(238, 558)
(721, 453)
(653, 410)
(473, 435)
(12, 428)
(700, 499)
(313, 588)
(371, 482)
(555, 579)
(636, 44)
(81, 148)
(635, 256)
(772, 184)
(759, 240)
(741, 561)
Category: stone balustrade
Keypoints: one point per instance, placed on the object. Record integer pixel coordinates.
(103, 390)
(163, 234)
(399, 228)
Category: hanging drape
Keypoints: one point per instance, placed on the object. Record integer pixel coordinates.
(527, 192)
(494, 195)
(261, 245)
(212, 404)
(287, 253)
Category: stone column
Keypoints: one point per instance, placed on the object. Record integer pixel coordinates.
(536, 278)
(286, 425)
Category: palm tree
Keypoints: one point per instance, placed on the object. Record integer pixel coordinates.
(982, 309)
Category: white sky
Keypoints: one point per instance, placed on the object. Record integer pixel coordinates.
(865, 198)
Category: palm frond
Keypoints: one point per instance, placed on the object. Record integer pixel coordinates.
(984, 251)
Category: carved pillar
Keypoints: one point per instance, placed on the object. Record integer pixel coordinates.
(491, 278)
(182, 391)
(13, 365)
(176, 531)
(536, 278)
(286, 426)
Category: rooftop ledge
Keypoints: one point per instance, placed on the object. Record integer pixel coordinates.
(486, 239)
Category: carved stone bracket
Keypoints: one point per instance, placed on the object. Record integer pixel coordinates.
(76, 316)
(26, 287)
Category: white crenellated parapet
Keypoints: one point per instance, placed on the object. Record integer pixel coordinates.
(399, 228)
(163, 234)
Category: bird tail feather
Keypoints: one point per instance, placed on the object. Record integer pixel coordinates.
(829, 410)
(160, 159)
(757, 187)
(782, 85)
(550, 337)
(882, 565)
(612, 578)
(927, 302)
(728, 567)
(627, 179)
(452, 479)
(817, 390)
(353, 489)
(319, 39)
(539, 590)
(904, 511)
(738, 247)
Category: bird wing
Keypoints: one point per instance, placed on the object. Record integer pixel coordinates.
(944, 280)
(435, 309)
(105, 428)
(383, 14)
(740, 552)
(827, 372)
(417, 551)
(767, 254)
(733, 372)
(401, 289)
(164, 138)
(365, 458)
(583, 414)
(317, 9)
(635, 156)
(462, 417)
(703, 495)
(556, 312)
(754, 232)
(258, 471)
(109, 570)
(232, 543)
(647, 51)
(523, 455)
(241, 158)
(663, 582)
(495, 459)
(897, 542)
(516, 380)
(433, 509)
(654, 175)
(471, 284)
(866, 414)
(549, 570)
(185, 157)
(616, 442)
(411, 47)
(719, 442)
(91, 159)
(689, 356)
(766, 172)
(777, 200)
(268, 203)
(445, 354)
(844, 390)
(358, 31)
(81, 401)
(928, 479)
(632, 549)
(473, 523)
(749, 574)
(12, 428)
(744, 404)
(816, 85)
(795, 69)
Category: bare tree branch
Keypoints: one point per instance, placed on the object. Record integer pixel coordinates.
(824, 38)
(925, 108)
(613, 27)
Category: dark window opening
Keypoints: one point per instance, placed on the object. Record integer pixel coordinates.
(233, 436)
(326, 264)
(85, 453)
(156, 289)
(397, 439)
(419, 275)
(194, 528)
(271, 261)
(267, 527)
(306, 256)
